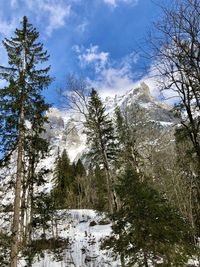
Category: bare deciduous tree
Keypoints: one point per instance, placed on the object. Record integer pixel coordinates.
(177, 49)
(177, 52)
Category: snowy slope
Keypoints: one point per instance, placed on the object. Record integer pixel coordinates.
(84, 238)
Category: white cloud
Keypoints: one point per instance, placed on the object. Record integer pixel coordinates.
(111, 2)
(112, 81)
(83, 26)
(153, 79)
(7, 27)
(110, 77)
(92, 57)
(57, 16)
(115, 78)
(55, 12)
(115, 3)
(50, 14)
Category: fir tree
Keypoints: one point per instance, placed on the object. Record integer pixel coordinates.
(100, 189)
(146, 228)
(80, 181)
(127, 139)
(100, 132)
(102, 140)
(21, 101)
(79, 168)
(63, 179)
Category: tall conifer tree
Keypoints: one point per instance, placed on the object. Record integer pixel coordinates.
(102, 140)
(146, 228)
(63, 179)
(21, 101)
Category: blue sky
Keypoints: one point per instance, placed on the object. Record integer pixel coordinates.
(101, 40)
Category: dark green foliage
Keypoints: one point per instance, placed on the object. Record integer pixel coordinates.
(43, 212)
(100, 188)
(102, 141)
(22, 119)
(100, 132)
(63, 179)
(79, 168)
(25, 81)
(146, 228)
(79, 180)
(4, 249)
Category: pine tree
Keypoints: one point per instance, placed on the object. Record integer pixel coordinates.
(102, 140)
(146, 228)
(21, 101)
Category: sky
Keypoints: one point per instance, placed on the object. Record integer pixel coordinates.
(99, 40)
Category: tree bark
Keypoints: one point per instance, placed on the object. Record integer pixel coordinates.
(20, 168)
(17, 202)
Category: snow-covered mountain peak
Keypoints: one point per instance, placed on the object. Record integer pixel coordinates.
(66, 130)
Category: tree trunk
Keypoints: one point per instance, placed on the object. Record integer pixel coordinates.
(23, 211)
(122, 260)
(109, 182)
(20, 170)
(18, 189)
(145, 259)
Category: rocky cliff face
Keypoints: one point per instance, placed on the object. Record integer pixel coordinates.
(65, 130)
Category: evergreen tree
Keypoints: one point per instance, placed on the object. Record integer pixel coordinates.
(100, 132)
(100, 190)
(79, 168)
(63, 179)
(146, 229)
(80, 184)
(102, 140)
(126, 134)
(21, 101)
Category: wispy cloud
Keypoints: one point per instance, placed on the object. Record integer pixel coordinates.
(81, 28)
(111, 77)
(113, 81)
(117, 77)
(7, 27)
(57, 16)
(115, 3)
(55, 12)
(50, 15)
(92, 57)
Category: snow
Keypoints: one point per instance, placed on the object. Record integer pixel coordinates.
(65, 131)
(84, 249)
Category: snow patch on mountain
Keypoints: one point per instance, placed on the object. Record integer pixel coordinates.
(66, 130)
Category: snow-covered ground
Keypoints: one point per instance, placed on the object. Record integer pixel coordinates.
(84, 230)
